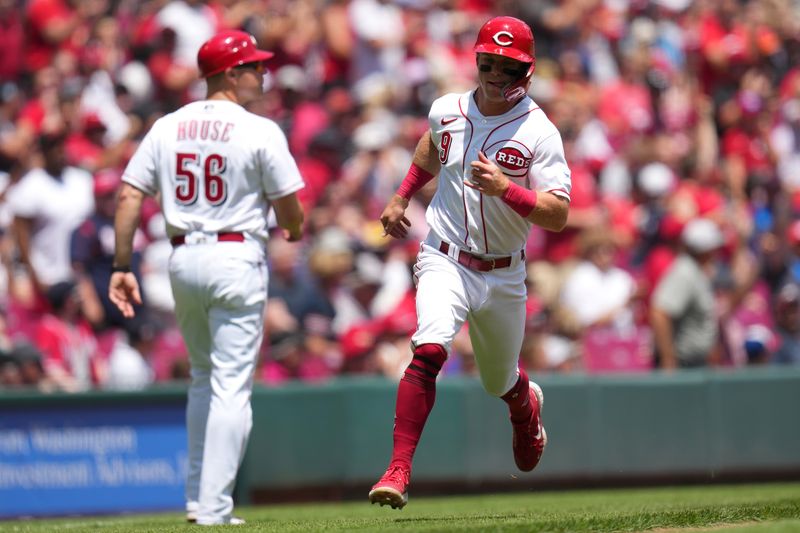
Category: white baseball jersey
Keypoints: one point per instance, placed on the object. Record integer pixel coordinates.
(522, 142)
(526, 146)
(214, 164)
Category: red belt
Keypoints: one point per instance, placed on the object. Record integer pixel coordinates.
(225, 236)
(474, 262)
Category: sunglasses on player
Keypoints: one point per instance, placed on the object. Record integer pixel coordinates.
(258, 66)
(514, 73)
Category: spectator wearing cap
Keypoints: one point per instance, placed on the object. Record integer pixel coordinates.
(654, 182)
(66, 341)
(48, 203)
(682, 311)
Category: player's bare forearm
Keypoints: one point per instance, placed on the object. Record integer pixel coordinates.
(423, 168)
(290, 216)
(662, 334)
(426, 156)
(123, 288)
(551, 211)
(126, 220)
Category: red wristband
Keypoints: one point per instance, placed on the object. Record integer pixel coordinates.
(416, 178)
(520, 199)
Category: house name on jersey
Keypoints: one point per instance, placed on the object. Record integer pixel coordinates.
(214, 130)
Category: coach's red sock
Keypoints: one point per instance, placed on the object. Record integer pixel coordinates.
(518, 398)
(415, 397)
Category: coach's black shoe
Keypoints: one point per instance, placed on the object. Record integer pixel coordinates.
(530, 437)
(392, 488)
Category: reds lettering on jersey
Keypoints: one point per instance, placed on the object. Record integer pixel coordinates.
(214, 163)
(523, 143)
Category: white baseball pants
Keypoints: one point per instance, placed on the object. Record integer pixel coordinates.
(220, 292)
(492, 302)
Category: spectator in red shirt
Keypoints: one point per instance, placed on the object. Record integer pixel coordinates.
(51, 23)
(58, 25)
(626, 106)
(84, 148)
(66, 341)
(172, 79)
(747, 146)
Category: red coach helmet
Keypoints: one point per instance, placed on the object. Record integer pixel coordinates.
(227, 49)
(506, 36)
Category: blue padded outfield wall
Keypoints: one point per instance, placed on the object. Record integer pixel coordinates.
(111, 452)
(91, 453)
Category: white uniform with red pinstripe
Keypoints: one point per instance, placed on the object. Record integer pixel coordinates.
(215, 168)
(527, 147)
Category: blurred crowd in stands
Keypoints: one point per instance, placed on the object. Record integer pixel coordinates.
(680, 120)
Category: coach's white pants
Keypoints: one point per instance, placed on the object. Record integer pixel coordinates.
(220, 292)
(492, 302)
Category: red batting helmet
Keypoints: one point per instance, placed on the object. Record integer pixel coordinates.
(506, 36)
(227, 49)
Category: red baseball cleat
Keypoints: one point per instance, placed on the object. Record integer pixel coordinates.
(392, 488)
(530, 437)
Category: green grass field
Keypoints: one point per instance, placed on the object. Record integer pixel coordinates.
(763, 508)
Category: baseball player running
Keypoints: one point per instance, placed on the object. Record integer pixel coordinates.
(501, 168)
(216, 169)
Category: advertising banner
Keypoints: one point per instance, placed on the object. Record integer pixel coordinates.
(92, 459)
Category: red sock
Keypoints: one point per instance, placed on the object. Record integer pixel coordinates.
(415, 397)
(518, 398)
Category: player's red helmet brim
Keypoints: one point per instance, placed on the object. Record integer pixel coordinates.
(228, 49)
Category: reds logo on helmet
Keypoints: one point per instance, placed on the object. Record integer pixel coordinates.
(503, 38)
(506, 36)
(514, 159)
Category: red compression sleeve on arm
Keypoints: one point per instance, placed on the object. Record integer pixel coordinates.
(416, 178)
(520, 199)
